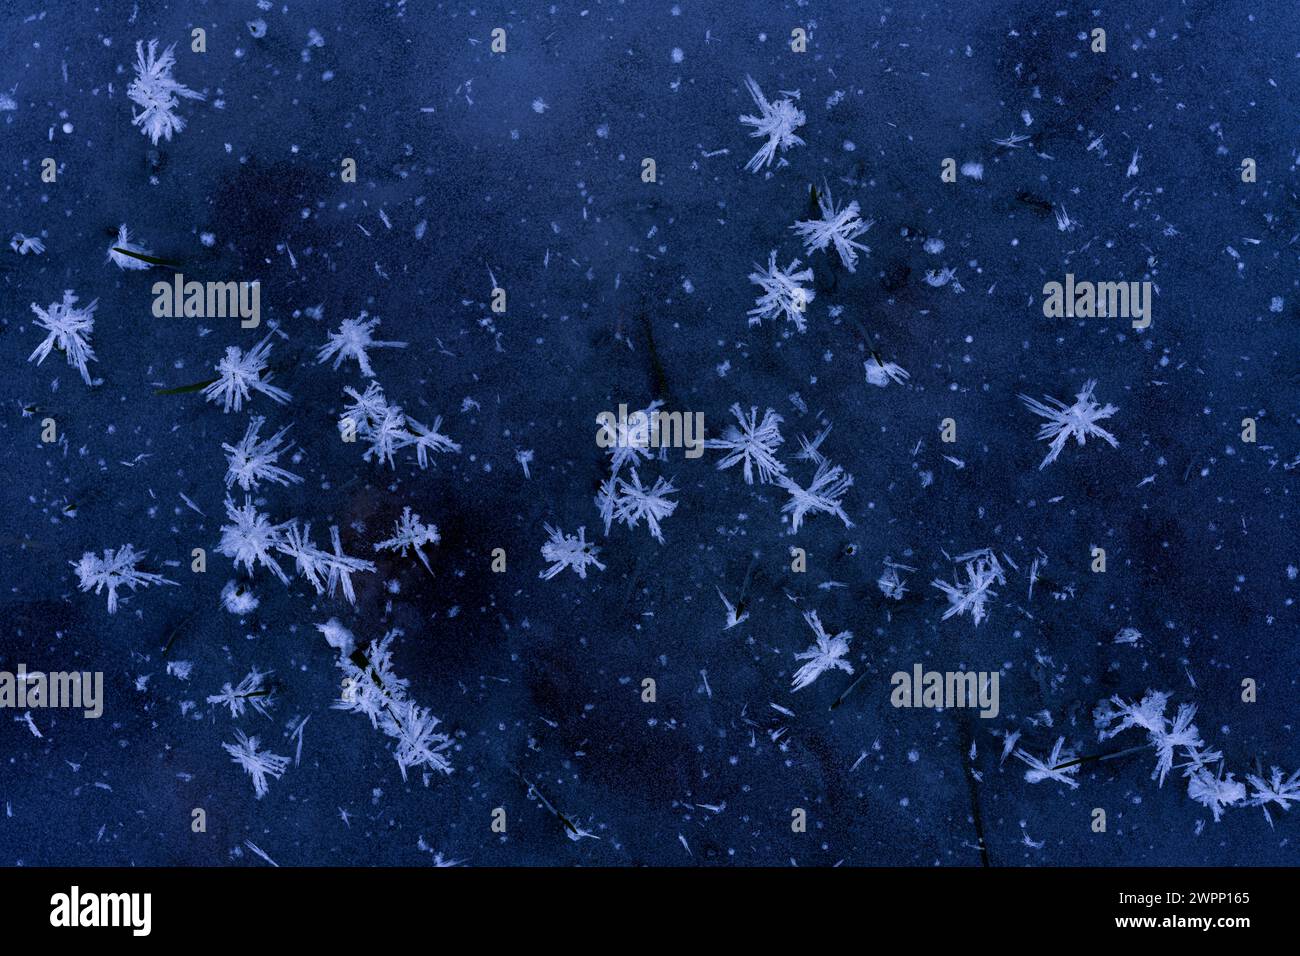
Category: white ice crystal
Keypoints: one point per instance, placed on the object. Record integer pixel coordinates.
(1216, 791)
(251, 538)
(410, 533)
(630, 442)
(826, 654)
(250, 692)
(754, 443)
(890, 582)
(734, 615)
(838, 227)
(1116, 715)
(240, 373)
(253, 461)
(351, 341)
(778, 122)
(783, 296)
(342, 567)
(69, 331)
(238, 598)
(426, 440)
(1182, 733)
(114, 569)
(24, 244)
(371, 688)
(258, 763)
(568, 551)
(418, 743)
(309, 561)
(1078, 420)
(983, 570)
(881, 373)
(1276, 789)
(632, 501)
(824, 495)
(157, 93)
(388, 429)
(324, 570)
(120, 259)
(1040, 770)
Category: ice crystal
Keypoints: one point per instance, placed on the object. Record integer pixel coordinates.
(250, 692)
(629, 442)
(341, 568)
(838, 227)
(754, 443)
(371, 688)
(388, 429)
(418, 743)
(1275, 789)
(568, 551)
(410, 533)
(826, 654)
(1182, 733)
(778, 122)
(890, 582)
(1078, 420)
(881, 373)
(238, 598)
(1116, 715)
(824, 495)
(157, 93)
(735, 615)
(251, 538)
(258, 763)
(983, 570)
(240, 373)
(1040, 770)
(121, 259)
(253, 461)
(69, 331)
(426, 440)
(783, 296)
(1217, 791)
(632, 501)
(351, 341)
(24, 244)
(114, 569)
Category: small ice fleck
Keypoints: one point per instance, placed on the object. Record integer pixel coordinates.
(973, 170)
(540, 105)
(677, 54)
(1276, 304)
(933, 246)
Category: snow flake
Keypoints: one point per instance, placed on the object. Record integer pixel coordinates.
(253, 461)
(778, 123)
(568, 551)
(826, 654)
(257, 763)
(754, 443)
(1040, 770)
(113, 570)
(783, 296)
(838, 227)
(157, 93)
(824, 495)
(351, 341)
(239, 374)
(983, 570)
(1078, 420)
(69, 329)
(124, 243)
(410, 533)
